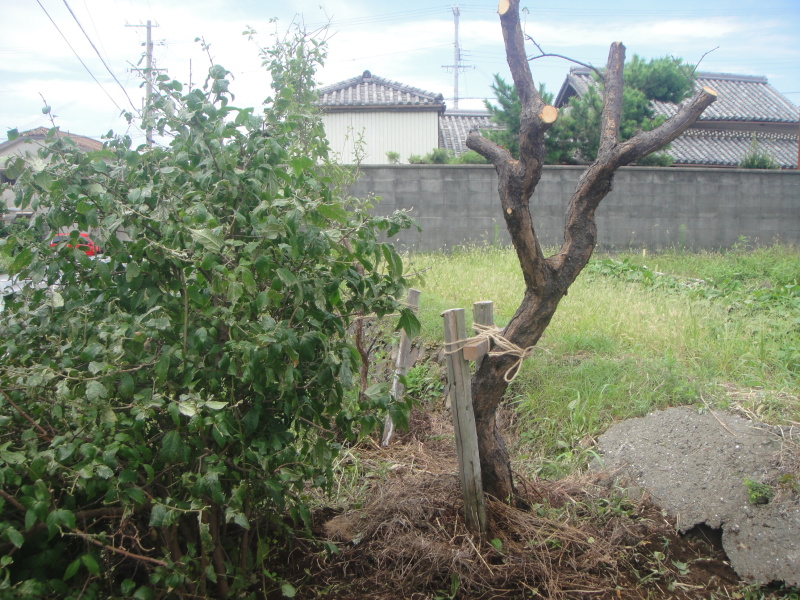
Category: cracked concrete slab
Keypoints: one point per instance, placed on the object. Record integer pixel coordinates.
(694, 463)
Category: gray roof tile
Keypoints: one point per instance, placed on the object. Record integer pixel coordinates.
(739, 97)
(368, 90)
(455, 125)
(727, 148)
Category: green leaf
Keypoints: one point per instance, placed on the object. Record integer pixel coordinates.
(188, 408)
(288, 590)
(126, 386)
(91, 564)
(12, 134)
(132, 271)
(103, 471)
(393, 260)
(127, 586)
(162, 366)
(44, 180)
(171, 446)
(143, 593)
(158, 515)
(21, 260)
(15, 537)
(95, 391)
(95, 367)
(56, 299)
(409, 322)
(208, 239)
(71, 569)
(286, 276)
(334, 213)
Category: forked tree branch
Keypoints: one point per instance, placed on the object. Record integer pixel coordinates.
(580, 233)
(612, 99)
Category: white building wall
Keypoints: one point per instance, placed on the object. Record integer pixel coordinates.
(407, 133)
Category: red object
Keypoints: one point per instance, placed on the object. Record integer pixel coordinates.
(86, 244)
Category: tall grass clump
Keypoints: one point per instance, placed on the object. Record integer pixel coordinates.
(708, 328)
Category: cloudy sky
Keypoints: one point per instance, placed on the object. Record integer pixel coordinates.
(42, 44)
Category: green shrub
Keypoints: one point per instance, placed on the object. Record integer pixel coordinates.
(177, 398)
(755, 158)
(437, 156)
(470, 157)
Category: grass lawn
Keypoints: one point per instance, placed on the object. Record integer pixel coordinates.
(637, 332)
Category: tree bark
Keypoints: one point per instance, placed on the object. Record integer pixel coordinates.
(548, 279)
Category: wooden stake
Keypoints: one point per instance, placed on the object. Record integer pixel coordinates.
(483, 314)
(469, 465)
(400, 368)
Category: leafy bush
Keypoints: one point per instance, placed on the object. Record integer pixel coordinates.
(756, 158)
(164, 409)
(470, 157)
(437, 156)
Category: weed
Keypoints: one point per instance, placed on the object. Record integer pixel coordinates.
(758, 493)
(423, 383)
(789, 481)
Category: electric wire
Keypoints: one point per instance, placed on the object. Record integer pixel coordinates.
(110, 97)
(102, 60)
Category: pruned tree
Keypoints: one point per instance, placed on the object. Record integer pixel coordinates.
(547, 279)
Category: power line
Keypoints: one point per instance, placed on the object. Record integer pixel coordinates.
(78, 57)
(386, 17)
(389, 53)
(102, 60)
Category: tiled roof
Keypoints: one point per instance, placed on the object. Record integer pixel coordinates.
(368, 90)
(10, 147)
(82, 141)
(739, 97)
(727, 148)
(455, 125)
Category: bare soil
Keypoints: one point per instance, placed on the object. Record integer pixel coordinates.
(584, 537)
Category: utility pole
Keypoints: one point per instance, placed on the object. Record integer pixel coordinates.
(456, 59)
(456, 66)
(148, 76)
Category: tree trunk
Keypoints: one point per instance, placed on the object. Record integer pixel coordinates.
(548, 279)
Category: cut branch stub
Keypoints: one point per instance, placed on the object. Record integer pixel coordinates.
(549, 114)
(503, 6)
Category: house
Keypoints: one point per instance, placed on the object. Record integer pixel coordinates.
(29, 142)
(368, 116)
(746, 107)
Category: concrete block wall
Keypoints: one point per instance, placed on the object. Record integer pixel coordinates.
(649, 207)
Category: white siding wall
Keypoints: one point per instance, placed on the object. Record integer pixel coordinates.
(406, 133)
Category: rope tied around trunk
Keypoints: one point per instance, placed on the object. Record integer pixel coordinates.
(501, 347)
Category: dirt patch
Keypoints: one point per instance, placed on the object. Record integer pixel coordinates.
(722, 471)
(579, 539)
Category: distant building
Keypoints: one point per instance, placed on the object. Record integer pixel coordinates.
(368, 116)
(29, 142)
(746, 106)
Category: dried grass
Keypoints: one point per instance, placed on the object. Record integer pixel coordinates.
(411, 536)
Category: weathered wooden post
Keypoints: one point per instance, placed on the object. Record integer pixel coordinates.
(482, 314)
(469, 464)
(400, 368)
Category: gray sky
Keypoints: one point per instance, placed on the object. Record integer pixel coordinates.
(407, 42)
